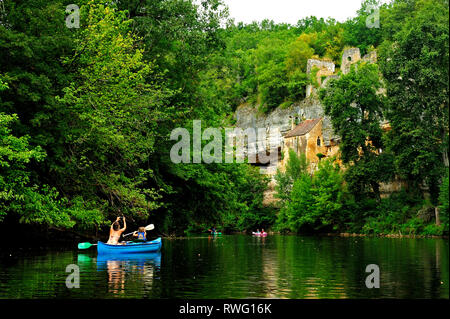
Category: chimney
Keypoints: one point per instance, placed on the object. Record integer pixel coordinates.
(292, 122)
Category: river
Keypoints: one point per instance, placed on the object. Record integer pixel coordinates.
(238, 266)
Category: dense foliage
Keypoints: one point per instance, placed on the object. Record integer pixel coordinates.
(355, 107)
(93, 108)
(314, 202)
(410, 92)
(86, 116)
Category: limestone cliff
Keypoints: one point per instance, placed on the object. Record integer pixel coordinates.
(248, 116)
(284, 119)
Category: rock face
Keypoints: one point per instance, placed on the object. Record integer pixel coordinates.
(247, 116)
(282, 120)
(426, 214)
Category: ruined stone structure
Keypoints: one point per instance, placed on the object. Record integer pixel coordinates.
(353, 55)
(349, 57)
(324, 69)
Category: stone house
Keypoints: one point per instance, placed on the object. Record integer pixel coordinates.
(306, 138)
(333, 149)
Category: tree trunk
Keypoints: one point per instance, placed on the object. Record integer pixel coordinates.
(445, 157)
(376, 190)
(436, 215)
(445, 151)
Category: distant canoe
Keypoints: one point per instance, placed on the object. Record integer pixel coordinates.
(130, 247)
(215, 233)
(260, 234)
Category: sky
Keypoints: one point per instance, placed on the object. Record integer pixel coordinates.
(291, 11)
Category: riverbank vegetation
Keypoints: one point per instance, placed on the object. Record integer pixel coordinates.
(86, 115)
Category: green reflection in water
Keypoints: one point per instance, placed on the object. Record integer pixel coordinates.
(240, 267)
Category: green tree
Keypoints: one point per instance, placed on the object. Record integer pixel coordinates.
(330, 196)
(270, 72)
(33, 39)
(298, 210)
(355, 106)
(296, 166)
(414, 61)
(18, 194)
(318, 202)
(298, 55)
(356, 31)
(109, 117)
(179, 37)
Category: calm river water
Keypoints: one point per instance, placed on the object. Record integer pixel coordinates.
(239, 266)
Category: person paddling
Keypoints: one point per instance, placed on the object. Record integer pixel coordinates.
(115, 231)
(141, 234)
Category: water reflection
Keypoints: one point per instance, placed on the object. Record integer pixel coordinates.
(240, 267)
(133, 271)
(270, 269)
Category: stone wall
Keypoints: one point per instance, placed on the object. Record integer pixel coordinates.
(349, 57)
(353, 55)
(305, 144)
(325, 68)
(322, 65)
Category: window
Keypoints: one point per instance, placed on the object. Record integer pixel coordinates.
(318, 141)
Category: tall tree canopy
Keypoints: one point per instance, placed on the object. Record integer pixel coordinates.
(414, 63)
(355, 104)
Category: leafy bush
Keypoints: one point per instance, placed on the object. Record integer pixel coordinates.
(313, 202)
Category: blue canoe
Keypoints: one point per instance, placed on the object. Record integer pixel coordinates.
(129, 247)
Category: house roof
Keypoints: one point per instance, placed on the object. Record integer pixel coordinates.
(303, 128)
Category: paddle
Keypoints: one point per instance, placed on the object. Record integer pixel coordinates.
(148, 227)
(215, 232)
(85, 245)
